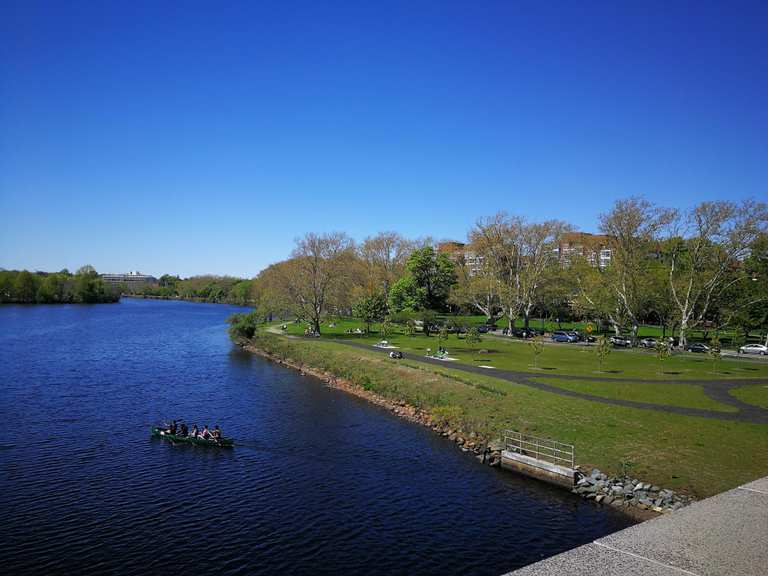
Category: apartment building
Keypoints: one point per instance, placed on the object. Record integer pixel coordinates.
(594, 247)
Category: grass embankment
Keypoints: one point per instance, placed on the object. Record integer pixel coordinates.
(557, 359)
(702, 456)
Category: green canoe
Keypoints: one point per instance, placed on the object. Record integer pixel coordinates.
(223, 443)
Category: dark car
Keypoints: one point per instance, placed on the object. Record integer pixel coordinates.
(697, 347)
(483, 329)
(524, 332)
(621, 342)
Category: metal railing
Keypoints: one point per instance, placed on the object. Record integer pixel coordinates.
(543, 449)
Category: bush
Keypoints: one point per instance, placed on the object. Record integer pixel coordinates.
(243, 326)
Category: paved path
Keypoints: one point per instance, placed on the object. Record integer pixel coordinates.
(726, 535)
(717, 390)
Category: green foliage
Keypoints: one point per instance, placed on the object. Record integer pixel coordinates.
(473, 336)
(370, 309)
(24, 287)
(603, 348)
(385, 328)
(427, 282)
(243, 326)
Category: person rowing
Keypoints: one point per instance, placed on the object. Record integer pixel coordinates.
(216, 433)
(205, 434)
(194, 431)
(172, 428)
(184, 430)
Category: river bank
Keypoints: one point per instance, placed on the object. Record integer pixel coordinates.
(637, 499)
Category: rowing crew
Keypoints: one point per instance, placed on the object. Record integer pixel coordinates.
(204, 434)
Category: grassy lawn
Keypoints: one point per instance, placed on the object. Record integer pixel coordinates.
(557, 359)
(644, 331)
(684, 395)
(754, 394)
(704, 456)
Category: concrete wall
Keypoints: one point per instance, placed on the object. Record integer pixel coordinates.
(539, 469)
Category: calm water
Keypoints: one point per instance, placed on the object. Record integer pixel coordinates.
(320, 483)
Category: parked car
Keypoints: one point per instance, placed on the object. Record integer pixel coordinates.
(483, 329)
(648, 343)
(621, 342)
(754, 349)
(524, 332)
(396, 354)
(562, 336)
(697, 347)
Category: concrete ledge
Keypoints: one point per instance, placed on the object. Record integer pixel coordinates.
(726, 535)
(540, 469)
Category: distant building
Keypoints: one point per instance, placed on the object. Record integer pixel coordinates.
(130, 280)
(459, 253)
(595, 248)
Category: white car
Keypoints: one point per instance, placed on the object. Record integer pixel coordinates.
(754, 349)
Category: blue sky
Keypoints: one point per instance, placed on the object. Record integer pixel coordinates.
(203, 137)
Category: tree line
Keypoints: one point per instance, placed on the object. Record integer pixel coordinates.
(706, 267)
(83, 287)
(205, 288)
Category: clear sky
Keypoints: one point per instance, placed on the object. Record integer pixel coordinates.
(203, 137)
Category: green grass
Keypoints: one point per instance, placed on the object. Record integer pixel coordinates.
(703, 456)
(756, 394)
(557, 359)
(683, 395)
(644, 331)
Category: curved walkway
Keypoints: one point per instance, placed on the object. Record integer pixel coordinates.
(718, 390)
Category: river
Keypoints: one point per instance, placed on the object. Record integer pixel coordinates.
(320, 482)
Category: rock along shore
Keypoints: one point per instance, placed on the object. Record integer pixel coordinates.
(638, 499)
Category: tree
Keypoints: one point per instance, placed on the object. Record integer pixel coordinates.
(243, 326)
(517, 253)
(384, 257)
(715, 352)
(663, 351)
(603, 348)
(633, 227)
(370, 309)
(314, 278)
(536, 345)
(406, 295)
(426, 284)
(477, 290)
(473, 335)
(705, 250)
(25, 287)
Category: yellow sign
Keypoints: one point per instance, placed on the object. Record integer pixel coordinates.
(589, 328)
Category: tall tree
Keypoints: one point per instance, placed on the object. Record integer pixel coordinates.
(633, 227)
(315, 274)
(384, 257)
(427, 282)
(706, 250)
(518, 254)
